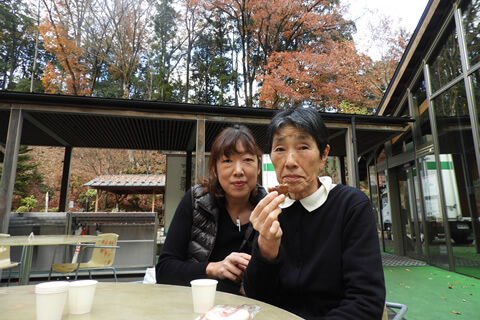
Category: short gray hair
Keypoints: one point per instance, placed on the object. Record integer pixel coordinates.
(305, 119)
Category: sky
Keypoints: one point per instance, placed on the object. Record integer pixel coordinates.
(405, 12)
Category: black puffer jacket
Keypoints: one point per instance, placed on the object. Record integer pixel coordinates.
(205, 224)
(199, 233)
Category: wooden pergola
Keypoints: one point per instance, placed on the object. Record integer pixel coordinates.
(128, 184)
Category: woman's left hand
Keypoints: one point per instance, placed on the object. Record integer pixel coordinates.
(232, 267)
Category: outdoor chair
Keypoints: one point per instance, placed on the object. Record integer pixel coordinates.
(399, 315)
(103, 255)
(5, 262)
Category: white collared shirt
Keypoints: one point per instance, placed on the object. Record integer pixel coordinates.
(316, 199)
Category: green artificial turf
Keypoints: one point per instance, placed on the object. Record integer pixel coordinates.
(433, 293)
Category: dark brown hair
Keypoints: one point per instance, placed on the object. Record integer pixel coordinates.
(226, 144)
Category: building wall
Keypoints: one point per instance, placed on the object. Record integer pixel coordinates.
(427, 185)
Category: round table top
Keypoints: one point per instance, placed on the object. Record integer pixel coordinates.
(39, 240)
(115, 301)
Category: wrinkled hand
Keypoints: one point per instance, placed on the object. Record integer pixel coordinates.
(264, 219)
(232, 267)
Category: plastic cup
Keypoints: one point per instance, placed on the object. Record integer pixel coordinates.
(51, 299)
(80, 296)
(203, 294)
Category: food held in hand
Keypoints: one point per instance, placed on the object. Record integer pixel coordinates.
(281, 189)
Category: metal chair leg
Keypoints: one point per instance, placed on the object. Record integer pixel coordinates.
(9, 276)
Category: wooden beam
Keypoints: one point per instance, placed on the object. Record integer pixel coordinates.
(200, 151)
(350, 158)
(67, 164)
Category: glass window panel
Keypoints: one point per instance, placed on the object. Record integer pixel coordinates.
(420, 216)
(446, 65)
(434, 228)
(476, 91)
(375, 203)
(409, 199)
(451, 106)
(475, 176)
(385, 211)
(471, 29)
(459, 174)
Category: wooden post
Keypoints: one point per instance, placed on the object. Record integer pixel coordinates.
(67, 164)
(9, 172)
(350, 158)
(200, 151)
(153, 201)
(96, 200)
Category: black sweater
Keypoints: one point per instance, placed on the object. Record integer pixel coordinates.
(329, 265)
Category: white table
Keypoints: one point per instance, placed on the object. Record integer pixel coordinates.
(118, 301)
(40, 240)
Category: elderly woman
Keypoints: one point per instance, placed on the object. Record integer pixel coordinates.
(316, 253)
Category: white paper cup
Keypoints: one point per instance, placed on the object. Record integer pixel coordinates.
(203, 294)
(80, 296)
(51, 299)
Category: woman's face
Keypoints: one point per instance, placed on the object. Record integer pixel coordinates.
(238, 173)
(297, 161)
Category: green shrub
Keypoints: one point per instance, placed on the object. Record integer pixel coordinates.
(29, 202)
(23, 209)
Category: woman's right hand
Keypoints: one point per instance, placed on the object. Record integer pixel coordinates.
(232, 267)
(264, 219)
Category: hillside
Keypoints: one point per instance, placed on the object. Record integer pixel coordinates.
(88, 164)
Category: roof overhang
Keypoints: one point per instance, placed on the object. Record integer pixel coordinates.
(129, 183)
(89, 122)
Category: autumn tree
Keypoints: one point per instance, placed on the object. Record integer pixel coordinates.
(281, 41)
(79, 34)
(98, 41)
(388, 41)
(129, 27)
(272, 54)
(322, 78)
(62, 35)
(307, 54)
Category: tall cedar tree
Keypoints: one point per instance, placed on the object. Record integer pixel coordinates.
(166, 51)
(27, 178)
(16, 39)
(212, 68)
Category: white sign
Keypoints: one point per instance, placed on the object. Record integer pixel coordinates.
(175, 183)
(269, 178)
